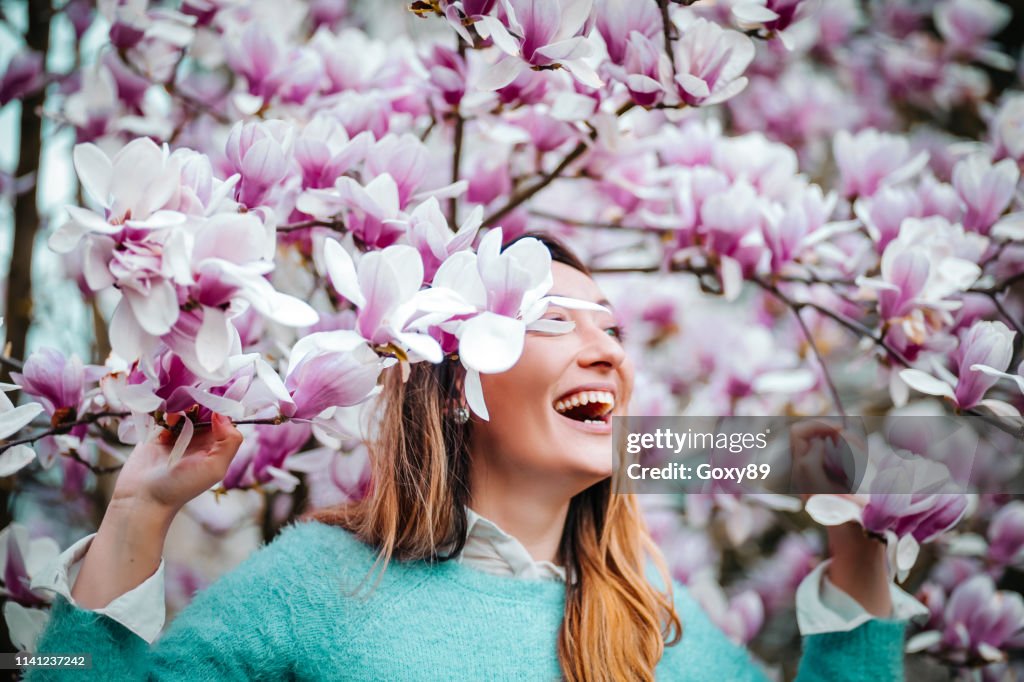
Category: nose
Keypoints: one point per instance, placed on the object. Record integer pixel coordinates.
(599, 348)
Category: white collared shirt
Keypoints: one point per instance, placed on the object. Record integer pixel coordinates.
(820, 605)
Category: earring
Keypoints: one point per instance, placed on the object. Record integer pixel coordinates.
(460, 415)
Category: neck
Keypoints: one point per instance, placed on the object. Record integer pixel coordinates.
(536, 524)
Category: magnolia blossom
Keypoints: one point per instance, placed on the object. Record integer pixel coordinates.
(921, 271)
(985, 189)
(22, 559)
(907, 499)
(503, 293)
(976, 623)
(1006, 535)
(709, 63)
(540, 34)
(12, 420)
(57, 381)
(384, 288)
(740, 616)
(981, 358)
(871, 160)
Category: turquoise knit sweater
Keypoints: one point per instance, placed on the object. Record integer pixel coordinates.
(287, 613)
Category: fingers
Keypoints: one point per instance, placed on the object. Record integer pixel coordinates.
(227, 437)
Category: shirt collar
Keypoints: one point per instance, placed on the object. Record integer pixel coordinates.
(493, 550)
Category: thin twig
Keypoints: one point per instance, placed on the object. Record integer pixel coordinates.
(60, 429)
(519, 197)
(460, 124)
(575, 222)
(306, 224)
(13, 363)
(666, 31)
(821, 361)
(852, 325)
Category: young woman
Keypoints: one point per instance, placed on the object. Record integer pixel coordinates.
(485, 550)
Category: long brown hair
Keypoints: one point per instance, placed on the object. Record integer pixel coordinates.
(616, 622)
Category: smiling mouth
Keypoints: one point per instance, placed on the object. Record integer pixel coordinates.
(588, 407)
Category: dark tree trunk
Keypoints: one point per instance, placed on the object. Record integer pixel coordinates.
(18, 306)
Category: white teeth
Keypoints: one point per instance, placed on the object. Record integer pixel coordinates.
(584, 398)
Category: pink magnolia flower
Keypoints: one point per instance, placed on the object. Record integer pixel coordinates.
(540, 35)
(977, 622)
(871, 160)
(921, 270)
(370, 211)
(22, 76)
(448, 74)
(1006, 535)
(325, 152)
(12, 420)
(968, 25)
(21, 559)
(883, 212)
(986, 190)
(981, 358)
(262, 460)
(617, 20)
(906, 498)
(384, 288)
(732, 223)
(495, 297)
(57, 381)
(709, 63)
(133, 189)
(773, 15)
(404, 159)
(1006, 128)
(740, 616)
(259, 152)
(330, 369)
(427, 230)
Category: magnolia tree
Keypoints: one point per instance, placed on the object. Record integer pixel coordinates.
(797, 208)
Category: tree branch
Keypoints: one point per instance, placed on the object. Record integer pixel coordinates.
(522, 195)
(460, 124)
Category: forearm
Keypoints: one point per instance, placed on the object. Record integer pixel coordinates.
(859, 569)
(126, 551)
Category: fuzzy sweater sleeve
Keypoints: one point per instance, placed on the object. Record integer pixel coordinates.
(870, 652)
(239, 628)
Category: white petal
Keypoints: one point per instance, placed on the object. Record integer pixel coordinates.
(475, 394)
(753, 13)
(551, 326)
(157, 312)
(14, 420)
(906, 553)
(785, 381)
(15, 459)
(922, 641)
(24, 625)
(213, 342)
(926, 383)
(1000, 408)
(342, 271)
(489, 26)
(491, 343)
(731, 273)
(95, 172)
(832, 510)
(423, 345)
(180, 445)
(993, 372)
(501, 74)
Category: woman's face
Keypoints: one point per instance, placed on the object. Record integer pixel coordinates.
(550, 415)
